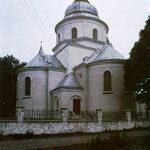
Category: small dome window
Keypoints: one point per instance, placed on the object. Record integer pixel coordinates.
(74, 33)
(95, 34)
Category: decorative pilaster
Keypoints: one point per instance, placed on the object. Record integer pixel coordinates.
(99, 113)
(20, 114)
(128, 115)
(64, 114)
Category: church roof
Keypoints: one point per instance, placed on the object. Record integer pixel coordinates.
(43, 60)
(108, 52)
(70, 81)
(81, 6)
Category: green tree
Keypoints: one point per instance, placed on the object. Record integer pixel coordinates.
(142, 92)
(8, 80)
(137, 67)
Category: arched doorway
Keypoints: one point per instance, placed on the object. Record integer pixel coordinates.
(76, 105)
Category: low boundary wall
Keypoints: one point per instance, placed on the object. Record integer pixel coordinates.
(14, 127)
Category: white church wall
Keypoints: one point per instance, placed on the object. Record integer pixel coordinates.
(73, 56)
(54, 78)
(66, 98)
(84, 27)
(37, 98)
(81, 76)
(91, 44)
(41, 83)
(113, 101)
(63, 57)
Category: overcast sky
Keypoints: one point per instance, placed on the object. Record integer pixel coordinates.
(24, 23)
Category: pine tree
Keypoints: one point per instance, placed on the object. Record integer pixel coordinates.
(9, 66)
(137, 67)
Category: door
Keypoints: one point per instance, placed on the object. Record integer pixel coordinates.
(76, 106)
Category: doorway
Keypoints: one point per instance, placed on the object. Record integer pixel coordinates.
(76, 106)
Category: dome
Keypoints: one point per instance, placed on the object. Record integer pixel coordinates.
(81, 6)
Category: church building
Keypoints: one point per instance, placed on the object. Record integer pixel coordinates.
(85, 72)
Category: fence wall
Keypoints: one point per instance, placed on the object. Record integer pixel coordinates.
(55, 122)
(9, 128)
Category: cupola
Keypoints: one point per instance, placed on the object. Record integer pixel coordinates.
(80, 7)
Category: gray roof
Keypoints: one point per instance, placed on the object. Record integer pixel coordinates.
(43, 60)
(107, 52)
(81, 7)
(70, 82)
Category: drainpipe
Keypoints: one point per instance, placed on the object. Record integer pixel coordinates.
(87, 87)
(52, 108)
(47, 81)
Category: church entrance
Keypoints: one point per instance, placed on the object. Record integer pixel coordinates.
(76, 105)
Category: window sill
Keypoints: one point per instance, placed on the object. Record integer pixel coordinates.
(25, 97)
(107, 92)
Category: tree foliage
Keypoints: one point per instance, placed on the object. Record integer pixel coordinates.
(142, 93)
(8, 80)
(137, 67)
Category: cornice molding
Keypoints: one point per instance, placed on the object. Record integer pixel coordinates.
(67, 41)
(81, 17)
(41, 69)
(99, 62)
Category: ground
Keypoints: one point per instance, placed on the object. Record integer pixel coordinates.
(137, 140)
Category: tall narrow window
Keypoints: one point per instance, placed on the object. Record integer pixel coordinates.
(95, 34)
(76, 106)
(27, 86)
(74, 33)
(107, 81)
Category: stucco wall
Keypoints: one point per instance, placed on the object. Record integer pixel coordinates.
(96, 45)
(10, 128)
(41, 83)
(37, 99)
(66, 96)
(72, 56)
(97, 98)
(84, 28)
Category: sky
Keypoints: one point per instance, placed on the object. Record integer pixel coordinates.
(24, 23)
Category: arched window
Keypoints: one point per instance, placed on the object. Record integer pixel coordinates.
(107, 81)
(27, 86)
(95, 34)
(74, 33)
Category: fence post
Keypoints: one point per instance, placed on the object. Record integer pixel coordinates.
(99, 113)
(64, 114)
(20, 113)
(128, 115)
